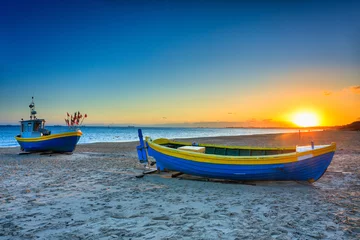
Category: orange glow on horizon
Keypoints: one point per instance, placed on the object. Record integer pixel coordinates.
(306, 119)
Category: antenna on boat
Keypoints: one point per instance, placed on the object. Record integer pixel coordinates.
(32, 109)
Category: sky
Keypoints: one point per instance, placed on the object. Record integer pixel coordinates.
(233, 63)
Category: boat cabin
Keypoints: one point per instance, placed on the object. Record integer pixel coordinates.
(33, 128)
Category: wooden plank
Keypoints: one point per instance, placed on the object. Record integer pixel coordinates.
(223, 181)
(145, 172)
(176, 174)
(150, 171)
(25, 153)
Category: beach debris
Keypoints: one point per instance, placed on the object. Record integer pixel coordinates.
(25, 191)
(161, 218)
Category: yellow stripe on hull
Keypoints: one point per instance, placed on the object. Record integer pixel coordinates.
(237, 160)
(49, 137)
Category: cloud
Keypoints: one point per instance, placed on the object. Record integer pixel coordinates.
(231, 113)
(355, 89)
(349, 90)
(251, 120)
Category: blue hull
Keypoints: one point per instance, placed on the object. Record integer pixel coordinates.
(310, 169)
(61, 144)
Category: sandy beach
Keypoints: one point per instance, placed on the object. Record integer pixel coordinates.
(95, 194)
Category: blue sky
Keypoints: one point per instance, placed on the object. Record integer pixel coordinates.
(124, 62)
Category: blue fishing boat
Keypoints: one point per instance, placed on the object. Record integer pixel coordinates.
(34, 137)
(298, 163)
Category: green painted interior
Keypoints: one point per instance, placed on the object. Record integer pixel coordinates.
(234, 151)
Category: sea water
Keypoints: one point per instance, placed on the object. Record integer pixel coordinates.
(128, 134)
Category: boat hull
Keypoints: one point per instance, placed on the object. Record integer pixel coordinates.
(310, 169)
(62, 142)
(304, 163)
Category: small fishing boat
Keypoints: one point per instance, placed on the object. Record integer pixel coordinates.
(299, 163)
(34, 137)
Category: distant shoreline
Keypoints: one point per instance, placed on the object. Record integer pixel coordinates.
(113, 126)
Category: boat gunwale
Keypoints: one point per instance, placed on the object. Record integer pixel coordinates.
(243, 160)
(49, 137)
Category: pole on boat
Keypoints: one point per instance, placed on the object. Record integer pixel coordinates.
(142, 150)
(143, 155)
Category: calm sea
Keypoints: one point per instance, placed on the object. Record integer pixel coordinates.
(127, 134)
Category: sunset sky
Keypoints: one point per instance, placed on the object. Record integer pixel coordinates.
(247, 63)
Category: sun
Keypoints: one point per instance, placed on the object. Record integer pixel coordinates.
(306, 119)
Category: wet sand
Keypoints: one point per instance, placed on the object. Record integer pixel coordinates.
(94, 194)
